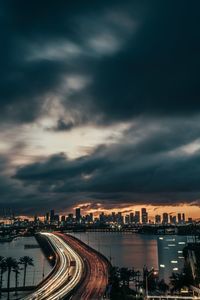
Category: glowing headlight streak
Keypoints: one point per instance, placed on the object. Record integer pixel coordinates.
(59, 285)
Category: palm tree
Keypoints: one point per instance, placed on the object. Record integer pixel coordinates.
(10, 263)
(3, 268)
(16, 270)
(26, 261)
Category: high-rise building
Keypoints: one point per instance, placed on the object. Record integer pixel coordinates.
(62, 218)
(158, 219)
(179, 218)
(91, 217)
(56, 218)
(131, 218)
(113, 217)
(78, 214)
(165, 218)
(119, 218)
(52, 215)
(102, 218)
(137, 216)
(70, 218)
(172, 219)
(127, 219)
(35, 219)
(47, 217)
(183, 218)
(144, 216)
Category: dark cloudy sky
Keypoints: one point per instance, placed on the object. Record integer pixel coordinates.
(100, 103)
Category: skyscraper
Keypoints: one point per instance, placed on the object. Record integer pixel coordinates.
(137, 216)
(78, 214)
(157, 219)
(131, 218)
(47, 217)
(179, 218)
(144, 216)
(165, 218)
(183, 218)
(52, 215)
(127, 219)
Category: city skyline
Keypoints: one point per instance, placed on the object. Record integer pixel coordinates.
(155, 216)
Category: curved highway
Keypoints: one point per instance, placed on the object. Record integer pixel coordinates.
(66, 276)
(96, 278)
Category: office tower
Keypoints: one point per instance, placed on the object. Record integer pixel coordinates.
(127, 219)
(137, 216)
(119, 218)
(47, 217)
(56, 218)
(144, 216)
(179, 218)
(35, 219)
(157, 219)
(52, 215)
(113, 217)
(62, 218)
(131, 218)
(172, 219)
(102, 218)
(78, 214)
(165, 218)
(183, 218)
(70, 218)
(91, 217)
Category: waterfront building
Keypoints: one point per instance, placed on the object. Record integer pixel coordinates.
(47, 217)
(78, 215)
(183, 218)
(131, 218)
(165, 218)
(172, 219)
(56, 218)
(137, 216)
(179, 218)
(170, 255)
(91, 217)
(127, 219)
(158, 219)
(52, 214)
(70, 219)
(144, 216)
(102, 218)
(63, 218)
(120, 218)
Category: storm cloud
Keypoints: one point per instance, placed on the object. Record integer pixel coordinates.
(83, 65)
(145, 170)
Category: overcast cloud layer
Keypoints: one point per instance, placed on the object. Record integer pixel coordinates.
(99, 103)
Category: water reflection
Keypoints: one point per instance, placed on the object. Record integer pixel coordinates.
(125, 250)
(163, 253)
(16, 250)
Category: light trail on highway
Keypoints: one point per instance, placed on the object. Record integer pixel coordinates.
(65, 277)
(95, 281)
